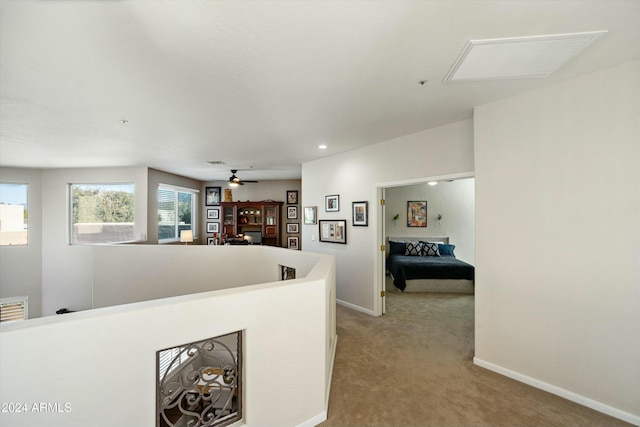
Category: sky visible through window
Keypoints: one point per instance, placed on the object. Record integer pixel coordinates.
(13, 194)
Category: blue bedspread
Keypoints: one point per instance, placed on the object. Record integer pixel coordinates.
(404, 268)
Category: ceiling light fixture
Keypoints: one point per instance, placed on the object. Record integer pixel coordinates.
(432, 183)
(322, 146)
(124, 122)
(518, 57)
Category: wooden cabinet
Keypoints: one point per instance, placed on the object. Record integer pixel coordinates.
(251, 219)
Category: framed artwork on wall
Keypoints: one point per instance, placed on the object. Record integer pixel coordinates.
(292, 228)
(417, 214)
(360, 212)
(292, 212)
(213, 227)
(213, 213)
(212, 196)
(333, 231)
(292, 242)
(332, 203)
(292, 197)
(310, 215)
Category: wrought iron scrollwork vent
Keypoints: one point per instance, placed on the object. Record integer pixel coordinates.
(200, 384)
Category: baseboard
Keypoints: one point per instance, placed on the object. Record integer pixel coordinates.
(566, 394)
(312, 422)
(355, 307)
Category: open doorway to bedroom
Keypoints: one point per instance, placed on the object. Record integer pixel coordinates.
(439, 210)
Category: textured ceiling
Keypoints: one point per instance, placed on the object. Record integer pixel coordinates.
(258, 83)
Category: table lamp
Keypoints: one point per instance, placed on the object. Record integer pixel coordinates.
(186, 236)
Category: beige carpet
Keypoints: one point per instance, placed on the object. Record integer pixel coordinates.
(413, 367)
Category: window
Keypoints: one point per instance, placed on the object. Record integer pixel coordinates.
(176, 212)
(13, 214)
(12, 309)
(102, 213)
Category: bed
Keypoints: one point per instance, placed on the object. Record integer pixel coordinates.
(427, 264)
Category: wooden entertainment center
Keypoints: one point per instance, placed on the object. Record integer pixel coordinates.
(249, 218)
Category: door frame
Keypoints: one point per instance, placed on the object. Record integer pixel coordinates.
(379, 304)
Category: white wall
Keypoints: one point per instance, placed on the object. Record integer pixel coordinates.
(67, 271)
(105, 359)
(558, 238)
(355, 176)
(21, 266)
(454, 200)
(132, 273)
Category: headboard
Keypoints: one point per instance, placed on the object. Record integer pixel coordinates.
(443, 239)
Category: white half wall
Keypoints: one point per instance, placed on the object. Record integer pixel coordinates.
(21, 266)
(93, 361)
(355, 176)
(558, 237)
(124, 274)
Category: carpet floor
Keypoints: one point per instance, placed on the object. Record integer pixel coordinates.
(413, 367)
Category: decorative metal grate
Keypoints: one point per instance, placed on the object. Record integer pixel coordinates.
(200, 384)
(287, 273)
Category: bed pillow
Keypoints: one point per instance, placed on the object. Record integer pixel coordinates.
(447, 250)
(413, 249)
(430, 249)
(397, 247)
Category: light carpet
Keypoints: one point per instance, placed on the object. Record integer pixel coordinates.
(413, 367)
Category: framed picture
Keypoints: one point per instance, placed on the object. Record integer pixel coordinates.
(292, 242)
(310, 215)
(332, 203)
(292, 212)
(360, 214)
(213, 227)
(213, 213)
(209, 241)
(212, 196)
(333, 231)
(292, 228)
(292, 197)
(416, 214)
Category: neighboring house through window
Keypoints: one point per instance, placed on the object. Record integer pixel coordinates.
(13, 214)
(176, 212)
(102, 213)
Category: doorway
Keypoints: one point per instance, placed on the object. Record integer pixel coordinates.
(450, 211)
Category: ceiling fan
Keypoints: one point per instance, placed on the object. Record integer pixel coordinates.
(234, 180)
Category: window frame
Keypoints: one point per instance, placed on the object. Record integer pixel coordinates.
(194, 211)
(70, 211)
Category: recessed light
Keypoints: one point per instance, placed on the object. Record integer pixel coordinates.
(322, 146)
(432, 183)
(124, 122)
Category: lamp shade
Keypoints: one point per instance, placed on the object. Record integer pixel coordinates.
(186, 236)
